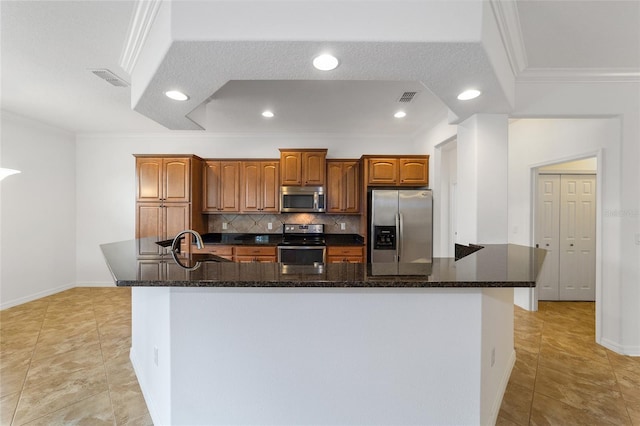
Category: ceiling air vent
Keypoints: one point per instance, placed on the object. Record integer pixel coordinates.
(110, 77)
(407, 97)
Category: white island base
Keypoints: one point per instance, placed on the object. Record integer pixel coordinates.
(322, 356)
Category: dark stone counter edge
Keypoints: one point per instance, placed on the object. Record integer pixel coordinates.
(371, 283)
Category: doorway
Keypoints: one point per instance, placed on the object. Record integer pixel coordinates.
(565, 226)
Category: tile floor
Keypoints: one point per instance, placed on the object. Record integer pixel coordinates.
(64, 359)
(561, 377)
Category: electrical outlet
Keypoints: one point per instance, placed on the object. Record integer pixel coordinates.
(343, 226)
(155, 355)
(225, 225)
(269, 226)
(493, 356)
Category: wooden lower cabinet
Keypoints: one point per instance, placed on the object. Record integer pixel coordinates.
(345, 254)
(245, 254)
(242, 254)
(163, 221)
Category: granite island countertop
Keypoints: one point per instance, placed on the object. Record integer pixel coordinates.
(496, 265)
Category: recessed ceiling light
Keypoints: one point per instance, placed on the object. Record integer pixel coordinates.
(267, 114)
(176, 95)
(400, 114)
(469, 94)
(325, 62)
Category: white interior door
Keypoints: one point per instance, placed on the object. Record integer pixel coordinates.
(577, 237)
(565, 226)
(547, 235)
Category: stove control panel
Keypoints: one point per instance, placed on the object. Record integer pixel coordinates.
(290, 228)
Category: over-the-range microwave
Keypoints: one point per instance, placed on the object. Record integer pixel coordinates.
(296, 199)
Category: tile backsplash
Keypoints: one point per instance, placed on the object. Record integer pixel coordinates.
(259, 223)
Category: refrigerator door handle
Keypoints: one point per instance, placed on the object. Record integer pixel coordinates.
(399, 235)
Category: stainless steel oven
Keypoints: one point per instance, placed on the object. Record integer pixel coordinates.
(302, 245)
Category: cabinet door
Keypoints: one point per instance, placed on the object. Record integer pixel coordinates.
(250, 177)
(149, 179)
(176, 218)
(351, 187)
(335, 194)
(221, 184)
(383, 171)
(211, 187)
(270, 187)
(290, 168)
(414, 171)
(229, 186)
(149, 218)
(313, 168)
(176, 182)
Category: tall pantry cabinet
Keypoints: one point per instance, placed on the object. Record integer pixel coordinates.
(168, 197)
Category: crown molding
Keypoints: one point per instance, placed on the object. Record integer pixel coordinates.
(505, 13)
(144, 15)
(579, 75)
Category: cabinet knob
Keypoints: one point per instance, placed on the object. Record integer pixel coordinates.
(571, 245)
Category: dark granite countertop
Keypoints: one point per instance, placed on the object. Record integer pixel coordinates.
(271, 239)
(496, 265)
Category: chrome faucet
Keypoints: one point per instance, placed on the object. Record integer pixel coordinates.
(199, 242)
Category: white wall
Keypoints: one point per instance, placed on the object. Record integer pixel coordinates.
(38, 211)
(106, 177)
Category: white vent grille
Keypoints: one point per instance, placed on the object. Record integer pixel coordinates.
(110, 77)
(407, 97)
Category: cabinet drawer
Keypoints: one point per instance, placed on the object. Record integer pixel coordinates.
(254, 259)
(218, 250)
(255, 251)
(344, 259)
(344, 251)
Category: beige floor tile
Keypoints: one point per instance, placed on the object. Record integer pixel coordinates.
(584, 369)
(44, 369)
(629, 382)
(8, 405)
(59, 343)
(46, 395)
(95, 410)
(600, 402)
(13, 372)
(549, 411)
(516, 404)
(524, 370)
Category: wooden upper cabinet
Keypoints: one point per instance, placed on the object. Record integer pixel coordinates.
(149, 179)
(177, 185)
(414, 171)
(163, 179)
(343, 186)
(221, 186)
(383, 171)
(260, 186)
(302, 167)
(290, 168)
(398, 170)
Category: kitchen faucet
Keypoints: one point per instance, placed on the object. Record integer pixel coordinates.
(199, 242)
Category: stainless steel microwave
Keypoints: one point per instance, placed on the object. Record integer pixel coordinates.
(295, 199)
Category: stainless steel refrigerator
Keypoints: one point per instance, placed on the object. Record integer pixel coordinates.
(401, 226)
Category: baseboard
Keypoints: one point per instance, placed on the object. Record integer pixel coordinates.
(35, 296)
(621, 349)
(497, 403)
(146, 395)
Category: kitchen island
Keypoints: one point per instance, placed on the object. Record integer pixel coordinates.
(227, 343)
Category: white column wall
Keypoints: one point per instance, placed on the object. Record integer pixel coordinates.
(482, 179)
(37, 232)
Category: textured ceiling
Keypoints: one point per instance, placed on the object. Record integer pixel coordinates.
(48, 47)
